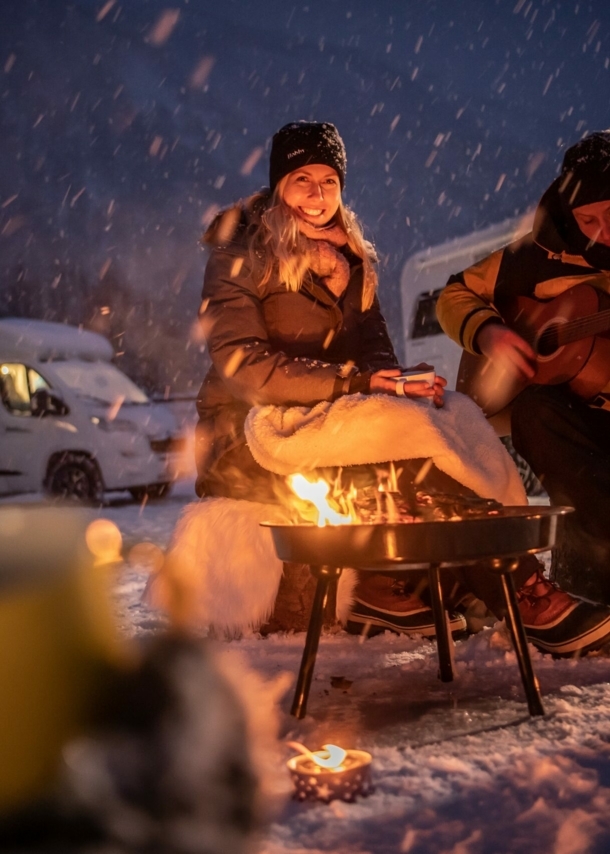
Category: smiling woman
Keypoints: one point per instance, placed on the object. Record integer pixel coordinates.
(289, 307)
(291, 315)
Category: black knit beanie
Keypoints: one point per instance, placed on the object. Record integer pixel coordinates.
(300, 144)
(585, 179)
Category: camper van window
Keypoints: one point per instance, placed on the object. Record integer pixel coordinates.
(36, 382)
(101, 382)
(424, 321)
(17, 384)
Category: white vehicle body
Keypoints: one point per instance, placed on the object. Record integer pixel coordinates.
(106, 418)
(423, 276)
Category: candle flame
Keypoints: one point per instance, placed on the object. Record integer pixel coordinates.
(316, 492)
(330, 757)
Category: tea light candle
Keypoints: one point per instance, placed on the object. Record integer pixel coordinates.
(331, 773)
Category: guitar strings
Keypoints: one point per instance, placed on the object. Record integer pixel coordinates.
(573, 330)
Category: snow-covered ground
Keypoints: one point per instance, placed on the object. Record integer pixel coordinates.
(459, 768)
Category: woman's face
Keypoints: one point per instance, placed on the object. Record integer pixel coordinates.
(313, 192)
(594, 221)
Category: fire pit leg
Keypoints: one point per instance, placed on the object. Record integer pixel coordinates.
(326, 576)
(444, 641)
(519, 639)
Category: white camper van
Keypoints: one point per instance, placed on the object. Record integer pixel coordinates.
(422, 279)
(71, 423)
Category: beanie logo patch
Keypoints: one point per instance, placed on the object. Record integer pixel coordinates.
(294, 153)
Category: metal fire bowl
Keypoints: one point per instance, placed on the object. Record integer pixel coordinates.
(514, 531)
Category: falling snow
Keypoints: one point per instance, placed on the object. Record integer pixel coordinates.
(457, 767)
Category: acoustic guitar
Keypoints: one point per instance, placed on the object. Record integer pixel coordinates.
(569, 335)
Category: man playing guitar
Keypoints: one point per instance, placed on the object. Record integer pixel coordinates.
(533, 313)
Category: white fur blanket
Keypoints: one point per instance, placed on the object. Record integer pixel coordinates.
(221, 571)
(377, 428)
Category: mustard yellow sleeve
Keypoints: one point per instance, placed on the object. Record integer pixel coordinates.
(466, 303)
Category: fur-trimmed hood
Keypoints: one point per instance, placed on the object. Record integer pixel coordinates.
(233, 224)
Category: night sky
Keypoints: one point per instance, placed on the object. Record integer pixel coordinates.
(126, 125)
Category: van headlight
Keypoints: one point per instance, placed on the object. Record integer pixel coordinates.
(116, 424)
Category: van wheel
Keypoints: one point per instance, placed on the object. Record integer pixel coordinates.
(75, 477)
(152, 491)
(531, 483)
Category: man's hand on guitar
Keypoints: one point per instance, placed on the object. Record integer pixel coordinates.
(507, 349)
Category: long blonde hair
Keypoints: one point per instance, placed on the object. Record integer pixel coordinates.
(277, 239)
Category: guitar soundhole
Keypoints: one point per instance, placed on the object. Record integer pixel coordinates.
(548, 341)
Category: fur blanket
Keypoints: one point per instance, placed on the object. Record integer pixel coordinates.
(221, 570)
(377, 428)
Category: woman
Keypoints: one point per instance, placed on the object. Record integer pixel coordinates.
(289, 307)
(291, 317)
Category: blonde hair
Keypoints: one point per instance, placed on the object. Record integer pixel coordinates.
(277, 239)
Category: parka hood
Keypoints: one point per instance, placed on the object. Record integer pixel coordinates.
(556, 230)
(233, 223)
(550, 226)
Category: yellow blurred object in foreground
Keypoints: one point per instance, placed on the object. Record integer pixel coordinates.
(57, 638)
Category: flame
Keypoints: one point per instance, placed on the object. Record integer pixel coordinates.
(331, 757)
(388, 486)
(315, 493)
(387, 479)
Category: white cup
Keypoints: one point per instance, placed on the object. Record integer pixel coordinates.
(414, 376)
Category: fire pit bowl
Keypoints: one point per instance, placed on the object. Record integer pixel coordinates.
(509, 532)
(496, 541)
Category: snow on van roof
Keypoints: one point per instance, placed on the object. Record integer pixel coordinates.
(477, 243)
(44, 341)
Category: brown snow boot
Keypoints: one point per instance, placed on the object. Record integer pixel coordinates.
(385, 602)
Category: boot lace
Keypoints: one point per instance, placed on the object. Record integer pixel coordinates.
(536, 588)
(399, 588)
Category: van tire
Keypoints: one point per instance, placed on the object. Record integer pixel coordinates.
(152, 491)
(73, 476)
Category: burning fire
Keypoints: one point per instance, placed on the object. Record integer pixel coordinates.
(316, 493)
(331, 757)
(342, 510)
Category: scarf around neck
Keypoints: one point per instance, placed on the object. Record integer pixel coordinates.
(325, 260)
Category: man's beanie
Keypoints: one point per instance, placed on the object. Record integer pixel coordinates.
(300, 144)
(585, 172)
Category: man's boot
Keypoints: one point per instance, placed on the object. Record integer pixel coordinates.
(383, 602)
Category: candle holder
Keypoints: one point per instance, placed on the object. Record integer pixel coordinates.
(330, 774)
